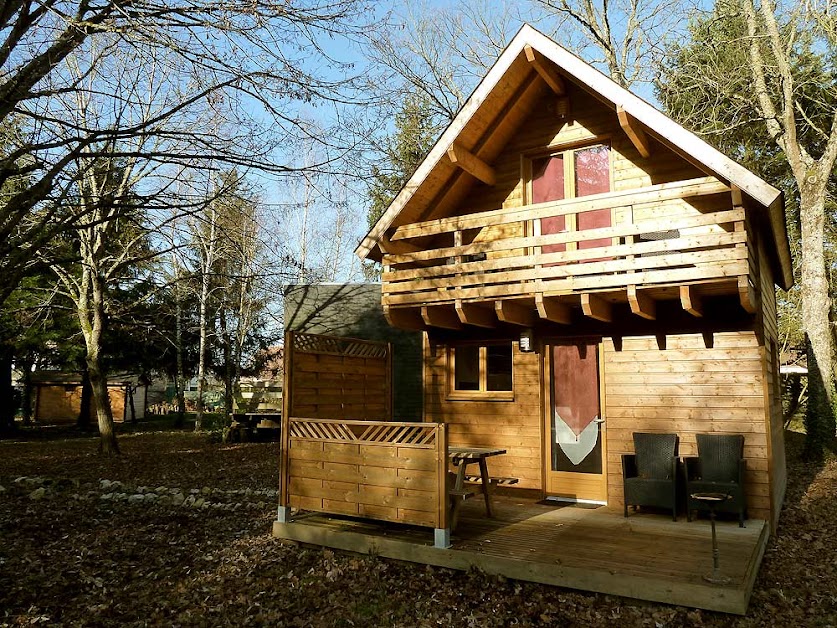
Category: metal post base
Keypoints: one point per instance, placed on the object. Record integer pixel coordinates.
(441, 538)
(283, 514)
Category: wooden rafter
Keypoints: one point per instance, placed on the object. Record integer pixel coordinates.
(514, 313)
(471, 314)
(633, 130)
(471, 164)
(691, 300)
(549, 308)
(405, 318)
(597, 308)
(441, 316)
(747, 294)
(642, 304)
(547, 72)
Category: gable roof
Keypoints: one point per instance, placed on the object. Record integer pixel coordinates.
(502, 84)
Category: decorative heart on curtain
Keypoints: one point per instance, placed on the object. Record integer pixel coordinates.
(576, 446)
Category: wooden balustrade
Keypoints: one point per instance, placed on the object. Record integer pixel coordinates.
(693, 245)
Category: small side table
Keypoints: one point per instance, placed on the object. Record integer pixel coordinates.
(712, 500)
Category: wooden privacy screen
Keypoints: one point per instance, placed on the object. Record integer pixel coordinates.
(337, 378)
(375, 469)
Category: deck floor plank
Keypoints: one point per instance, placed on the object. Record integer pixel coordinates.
(645, 556)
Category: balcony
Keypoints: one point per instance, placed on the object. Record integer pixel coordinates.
(671, 240)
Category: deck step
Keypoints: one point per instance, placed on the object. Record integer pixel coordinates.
(462, 492)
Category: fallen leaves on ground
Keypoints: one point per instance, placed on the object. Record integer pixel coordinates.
(144, 556)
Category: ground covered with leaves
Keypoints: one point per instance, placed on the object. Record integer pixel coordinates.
(176, 532)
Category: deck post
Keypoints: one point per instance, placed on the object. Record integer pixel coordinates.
(441, 538)
(283, 514)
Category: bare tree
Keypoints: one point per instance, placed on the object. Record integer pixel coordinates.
(770, 46)
(625, 37)
(255, 54)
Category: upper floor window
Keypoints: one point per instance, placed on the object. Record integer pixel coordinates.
(571, 174)
(480, 371)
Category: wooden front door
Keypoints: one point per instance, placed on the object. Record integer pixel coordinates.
(576, 451)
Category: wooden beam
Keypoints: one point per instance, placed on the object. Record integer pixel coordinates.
(691, 300)
(633, 130)
(405, 318)
(549, 308)
(472, 314)
(397, 248)
(747, 295)
(641, 304)
(471, 164)
(545, 68)
(596, 307)
(514, 313)
(441, 316)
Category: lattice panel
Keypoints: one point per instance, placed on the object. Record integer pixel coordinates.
(311, 343)
(419, 435)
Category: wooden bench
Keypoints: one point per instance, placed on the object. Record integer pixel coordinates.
(499, 481)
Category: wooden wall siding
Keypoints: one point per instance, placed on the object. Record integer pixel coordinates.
(688, 388)
(772, 386)
(511, 425)
(330, 377)
(702, 212)
(378, 470)
(62, 403)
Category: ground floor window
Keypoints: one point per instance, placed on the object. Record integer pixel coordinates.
(480, 371)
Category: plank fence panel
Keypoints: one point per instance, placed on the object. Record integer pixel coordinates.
(385, 470)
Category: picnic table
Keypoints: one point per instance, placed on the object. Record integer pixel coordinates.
(245, 425)
(461, 457)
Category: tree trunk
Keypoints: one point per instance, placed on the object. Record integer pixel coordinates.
(91, 313)
(179, 377)
(8, 406)
(26, 399)
(229, 371)
(206, 268)
(816, 306)
(83, 420)
(130, 391)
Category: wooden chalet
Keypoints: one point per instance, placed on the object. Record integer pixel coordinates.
(581, 268)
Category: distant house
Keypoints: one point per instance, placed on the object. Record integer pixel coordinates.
(58, 397)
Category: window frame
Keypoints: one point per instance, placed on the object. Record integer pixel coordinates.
(482, 394)
(567, 151)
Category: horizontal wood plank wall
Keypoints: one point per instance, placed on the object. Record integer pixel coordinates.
(511, 425)
(688, 388)
(340, 378)
(378, 470)
(772, 385)
(59, 403)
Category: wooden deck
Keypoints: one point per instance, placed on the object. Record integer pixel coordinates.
(646, 557)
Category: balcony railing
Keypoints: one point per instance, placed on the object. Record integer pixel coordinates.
(666, 234)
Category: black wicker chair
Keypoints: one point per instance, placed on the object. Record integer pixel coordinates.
(650, 474)
(718, 468)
